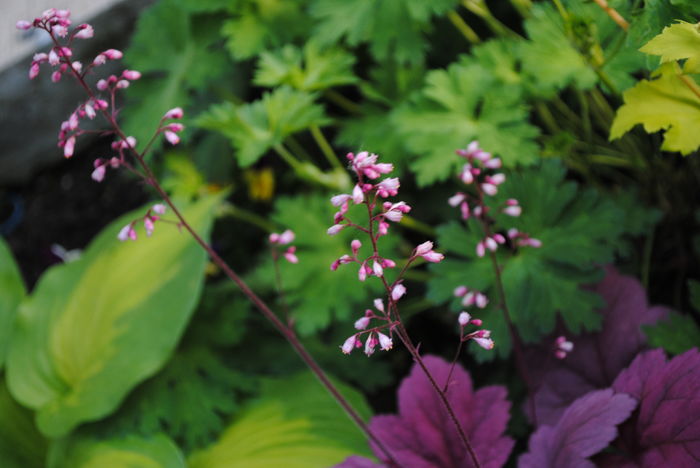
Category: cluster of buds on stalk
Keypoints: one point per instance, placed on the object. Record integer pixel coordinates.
(128, 232)
(562, 347)
(482, 337)
(381, 213)
(480, 173)
(285, 238)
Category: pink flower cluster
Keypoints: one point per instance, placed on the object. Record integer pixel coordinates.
(149, 219)
(380, 213)
(473, 298)
(287, 237)
(562, 347)
(479, 172)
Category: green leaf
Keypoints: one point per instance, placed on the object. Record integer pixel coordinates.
(677, 42)
(12, 292)
(315, 294)
(664, 103)
(96, 327)
(550, 62)
(81, 450)
(295, 423)
(258, 25)
(540, 283)
(174, 50)
(676, 335)
(257, 127)
(394, 29)
(189, 400)
(21, 444)
(309, 69)
(464, 103)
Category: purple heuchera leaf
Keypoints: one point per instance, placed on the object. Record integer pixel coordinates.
(597, 357)
(422, 435)
(585, 428)
(666, 428)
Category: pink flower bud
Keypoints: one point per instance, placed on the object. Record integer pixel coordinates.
(349, 345)
(489, 189)
(86, 31)
(33, 71)
(174, 113)
(559, 354)
(172, 137)
(423, 248)
(480, 249)
(113, 54)
(468, 299)
(286, 237)
(98, 174)
(362, 273)
(126, 233)
(512, 211)
(131, 74)
(100, 104)
(388, 187)
(464, 318)
(433, 257)
(467, 176)
(460, 291)
(148, 224)
(290, 255)
(532, 242)
(456, 199)
(491, 244)
(382, 228)
(486, 343)
(69, 147)
(175, 127)
(131, 142)
(274, 238)
(388, 263)
(476, 322)
(355, 246)
(73, 121)
(115, 162)
(101, 59)
(385, 342)
(379, 305)
(59, 30)
(335, 229)
(497, 179)
(464, 210)
(339, 200)
(122, 84)
(377, 269)
(370, 344)
(358, 195)
(499, 238)
(54, 59)
(23, 25)
(494, 163)
(361, 323)
(397, 292)
(480, 300)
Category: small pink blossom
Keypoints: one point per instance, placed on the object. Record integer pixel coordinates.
(159, 208)
(370, 344)
(113, 54)
(98, 174)
(290, 255)
(33, 71)
(127, 232)
(355, 246)
(339, 200)
(460, 291)
(362, 272)
(379, 305)
(349, 344)
(385, 342)
(149, 225)
(398, 291)
(486, 343)
(69, 147)
(433, 257)
(172, 137)
(174, 113)
(54, 59)
(23, 25)
(464, 318)
(131, 74)
(85, 31)
(457, 198)
(377, 269)
(361, 323)
(424, 248)
(333, 230)
(489, 189)
(388, 187)
(480, 249)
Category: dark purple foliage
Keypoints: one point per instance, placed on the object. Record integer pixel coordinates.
(597, 357)
(585, 428)
(665, 430)
(422, 435)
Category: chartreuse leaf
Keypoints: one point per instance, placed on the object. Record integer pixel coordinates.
(295, 423)
(460, 104)
(256, 127)
(257, 25)
(173, 48)
(315, 294)
(81, 450)
(663, 103)
(11, 294)
(677, 42)
(309, 69)
(96, 327)
(393, 28)
(21, 444)
(540, 283)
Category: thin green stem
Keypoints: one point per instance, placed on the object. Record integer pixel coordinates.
(479, 8)
(325, 146)
(412, 223)
(350, 106)
(288, 157)
(248, 216)
(462, 26)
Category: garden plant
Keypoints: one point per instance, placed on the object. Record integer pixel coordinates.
(375, 233)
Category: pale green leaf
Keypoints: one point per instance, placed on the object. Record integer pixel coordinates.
(295, 424)
(11, 294)
(96, 327)
(663, 103)
(81, 450)
(676, 42)
(21, 445)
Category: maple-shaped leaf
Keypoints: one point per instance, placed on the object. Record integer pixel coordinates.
(585, 428)
(597, 358)
(579, 230)
(666, 103)
(174, 49)
(665, 429)
(676, 42)
(190, 399)
(256, 127)
(309, 69)
(258, 25)
(315, 294)
(676, 335)
(422, 436)
(393, 28)
(460, 104)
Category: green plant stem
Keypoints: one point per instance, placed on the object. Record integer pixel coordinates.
(297, 148)
(325, 146)
(585, 115)
(479, 8)
(284, 330)
(462, 26)
(522, 6)
(412, 223)
(288, 157)
(350, 106)
(248, 216)
(547, 118)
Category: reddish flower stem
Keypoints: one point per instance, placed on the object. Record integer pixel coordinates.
(283, 329)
